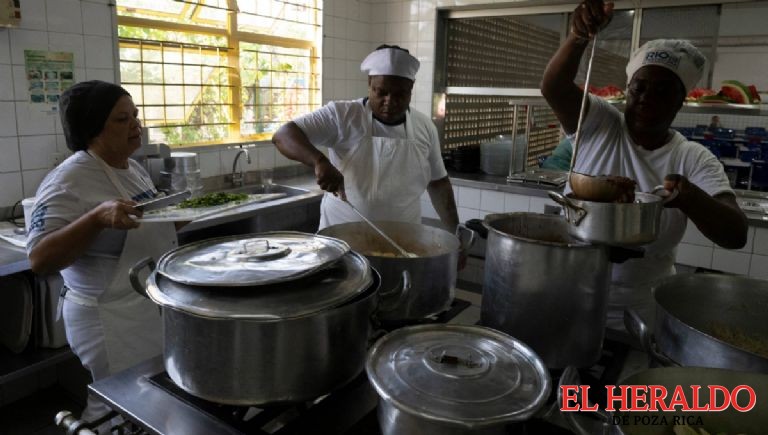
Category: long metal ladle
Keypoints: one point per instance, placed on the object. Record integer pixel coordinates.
(400, 250)
(584, 98)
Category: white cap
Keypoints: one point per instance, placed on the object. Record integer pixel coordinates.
(390, 61)
(676, 55)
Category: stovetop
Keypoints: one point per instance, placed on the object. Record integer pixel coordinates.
(148, 398)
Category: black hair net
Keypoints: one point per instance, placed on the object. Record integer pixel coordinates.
(84, 109)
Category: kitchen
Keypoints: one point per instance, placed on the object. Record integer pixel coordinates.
(33, 139)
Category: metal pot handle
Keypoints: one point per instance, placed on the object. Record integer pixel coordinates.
(665, 198)
(639, 331)
(570, 376)
(390, 297)
(472, 236)
(133, 274)
(569, 207)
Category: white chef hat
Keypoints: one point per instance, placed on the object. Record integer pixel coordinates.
(676, 55)
(390, 60)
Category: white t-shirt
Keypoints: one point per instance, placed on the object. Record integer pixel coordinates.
(73, 188)
(340, 125)
(607, 148)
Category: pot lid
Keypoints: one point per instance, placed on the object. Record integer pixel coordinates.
(330, 287)
(252, 260)
(470, 376)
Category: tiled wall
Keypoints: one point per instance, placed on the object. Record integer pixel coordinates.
(752, 260)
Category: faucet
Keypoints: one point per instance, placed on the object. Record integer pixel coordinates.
(238, 178)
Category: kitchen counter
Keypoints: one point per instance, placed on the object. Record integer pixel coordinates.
(750, 201)
(14, 259)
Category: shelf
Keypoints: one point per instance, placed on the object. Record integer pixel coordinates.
(14, 366)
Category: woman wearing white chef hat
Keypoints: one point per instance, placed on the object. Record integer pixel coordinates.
(382, 154)
(640, 145)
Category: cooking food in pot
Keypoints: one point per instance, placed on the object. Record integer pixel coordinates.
(639, 143)
(389, 254)
(212, 199)
(603, 188)
(740, 339)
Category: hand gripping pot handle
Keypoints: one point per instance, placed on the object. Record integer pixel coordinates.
(573, 213)
(667, 197)
(133, 274)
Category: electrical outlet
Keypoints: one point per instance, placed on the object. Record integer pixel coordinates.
(56, 159)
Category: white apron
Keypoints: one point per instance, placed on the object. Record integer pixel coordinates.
(120, 328)
(384, 178)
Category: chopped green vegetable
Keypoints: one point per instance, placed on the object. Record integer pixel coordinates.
(212, 199)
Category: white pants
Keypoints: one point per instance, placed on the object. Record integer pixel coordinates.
(86, 338)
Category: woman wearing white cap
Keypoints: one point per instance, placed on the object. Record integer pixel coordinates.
(382, 154)
(640, 145)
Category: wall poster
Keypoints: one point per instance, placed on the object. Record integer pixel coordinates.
(49, 73)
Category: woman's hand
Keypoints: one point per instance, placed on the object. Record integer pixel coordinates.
(117, 214)
(329, 178)
(589, 17)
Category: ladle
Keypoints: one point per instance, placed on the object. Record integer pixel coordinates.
(400, 250)
(602, 188)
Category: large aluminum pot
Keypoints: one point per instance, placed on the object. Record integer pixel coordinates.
(258, 344)
(454, 380)
(613, 224)
(708, 320)
(432, 272)
(728, 421)
(545, 287)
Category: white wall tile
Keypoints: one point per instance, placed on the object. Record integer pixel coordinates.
(5, 46)
(36, 151)
(11, 190)
(9, 155)
(492, 201)
(266, 157)
(466, 214)
(33, 15)
(538, 204)
(20, 83)
(428, 211)
(760, 244)
(516, 203)
(6, 83)
(427, 10)
(69, 43)
(210, 164)
(469, 197)
(98, 19)
(26, 40)
(694, 236)
(33, 120)
(7, 119)
(759, 267)
(281, 160)
(99, 52)
(64, 16)
(31, 180)
(105, 74)
(694, 255)
(730, 261)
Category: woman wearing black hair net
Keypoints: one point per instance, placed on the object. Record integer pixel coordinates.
(83, 226)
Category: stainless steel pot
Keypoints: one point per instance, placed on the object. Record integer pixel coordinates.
(454, 379)
(432, 272)
(690, 311)
(614, 224)
(286, 341)
(545, 288)
(729, 421)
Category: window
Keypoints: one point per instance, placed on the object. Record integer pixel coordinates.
(219, 71)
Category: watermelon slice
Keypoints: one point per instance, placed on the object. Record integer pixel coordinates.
(754, 94)
(736, 91)
(715, 99)
(697, 93)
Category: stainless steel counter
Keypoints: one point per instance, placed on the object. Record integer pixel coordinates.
(12, 259)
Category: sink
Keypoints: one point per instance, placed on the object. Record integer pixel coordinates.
(267, 188)
(298, 210)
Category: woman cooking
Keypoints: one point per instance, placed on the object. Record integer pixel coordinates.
(83, 226)
(640, 145)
